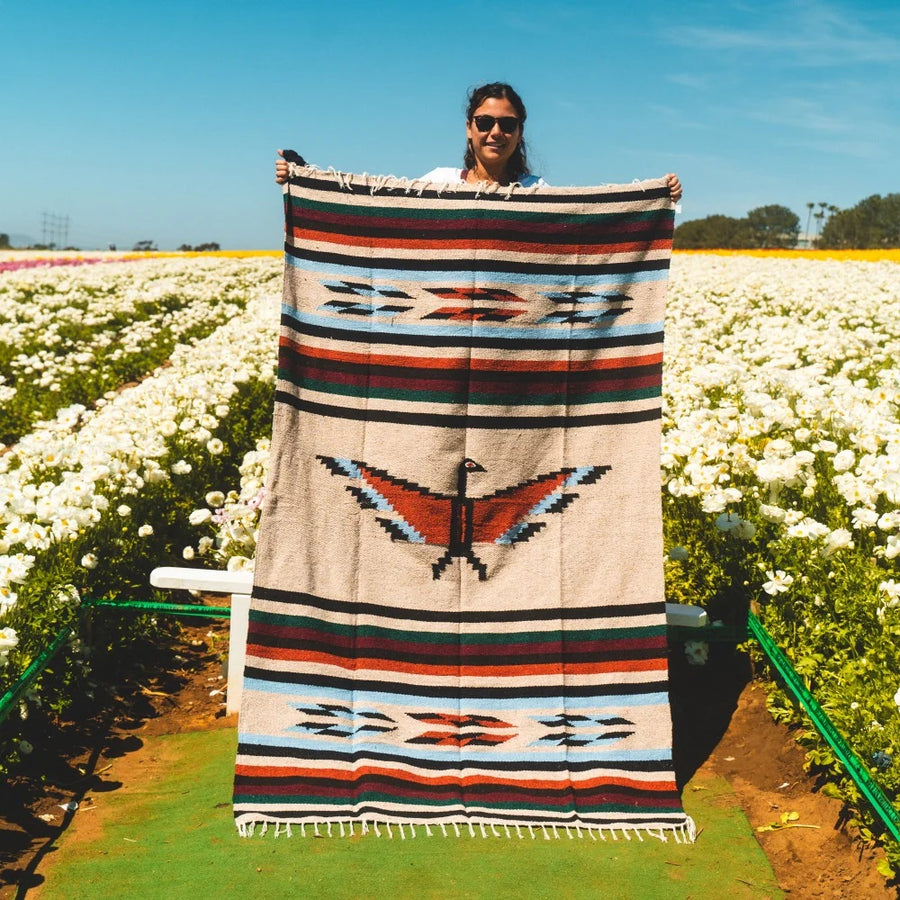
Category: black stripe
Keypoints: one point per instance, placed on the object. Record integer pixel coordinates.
(563, 343)
(600, 235)
(544, 195)
(498, 423)
(475, 264)
(662, 766)
(456, 617)
(453, 691)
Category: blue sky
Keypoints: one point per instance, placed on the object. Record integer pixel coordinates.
(160, 121)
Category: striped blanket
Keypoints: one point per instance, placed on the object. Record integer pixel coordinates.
(458, 613)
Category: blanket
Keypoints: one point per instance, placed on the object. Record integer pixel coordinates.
(458, 613)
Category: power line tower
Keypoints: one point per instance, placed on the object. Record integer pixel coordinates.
(54, 230)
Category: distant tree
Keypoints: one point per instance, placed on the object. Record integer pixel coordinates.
(773, 226)
(143, 246)
(712, 233)
(4, 241)
(184, 248)
(204, 248)
(873, 223)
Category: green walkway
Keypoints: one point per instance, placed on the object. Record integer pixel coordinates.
(176, 839)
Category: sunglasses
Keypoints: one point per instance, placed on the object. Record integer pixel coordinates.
(508, 124)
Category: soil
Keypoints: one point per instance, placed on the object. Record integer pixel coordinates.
(721, 727)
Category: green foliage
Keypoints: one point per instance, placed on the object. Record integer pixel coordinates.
(765, 226)
(874, 223)
(712, 232)
(773, 226)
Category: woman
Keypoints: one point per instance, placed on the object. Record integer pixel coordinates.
(495, 147)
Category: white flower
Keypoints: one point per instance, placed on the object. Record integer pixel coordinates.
(864, 518)
(889, 521)
(892, 547)
(145, 530)
(188, 553)
(215, 499)
(844, 460)
(200, 517)
(744, 530)
(808, 528)
(89, 561)
(839, 539)
(240, 564)
(897, 697)
(892, 589)
(697, 652)
(779, 581)
(8, 600)
(182, 467)
(123, 510)
(8, 639)
(774, 514)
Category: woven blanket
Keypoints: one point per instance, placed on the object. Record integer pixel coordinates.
(458, 612)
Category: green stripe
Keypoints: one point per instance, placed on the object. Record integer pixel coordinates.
(464, 640)
(511, 215)
(560, 398)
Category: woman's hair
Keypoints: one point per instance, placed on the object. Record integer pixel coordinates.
(497, 90)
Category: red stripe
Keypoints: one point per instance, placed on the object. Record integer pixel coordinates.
(510, 671)
(327, 237)
(297, 772)
(474, 385)
(476, 364)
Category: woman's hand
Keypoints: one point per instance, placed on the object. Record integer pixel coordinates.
(281, 168)
(674, 186)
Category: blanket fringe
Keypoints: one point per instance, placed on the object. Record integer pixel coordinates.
(683, 833)
(348, 181)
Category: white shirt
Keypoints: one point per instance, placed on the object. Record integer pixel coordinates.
(449, 174)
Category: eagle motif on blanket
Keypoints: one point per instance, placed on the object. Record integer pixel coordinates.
(457, 521)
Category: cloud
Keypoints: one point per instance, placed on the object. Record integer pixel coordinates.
(804, 114)
(802, 33)
(685, 79)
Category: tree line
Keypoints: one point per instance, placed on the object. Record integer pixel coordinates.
(874, 223)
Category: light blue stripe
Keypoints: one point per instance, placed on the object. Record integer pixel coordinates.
(462, 754)
(312, 694)
(472, 329)
(378, 500)
(440, 279)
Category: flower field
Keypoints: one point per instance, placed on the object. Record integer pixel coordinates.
(780, 468)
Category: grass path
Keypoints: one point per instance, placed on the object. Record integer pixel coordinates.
(168, 833)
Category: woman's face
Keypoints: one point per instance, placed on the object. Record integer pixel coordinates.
(493, 148)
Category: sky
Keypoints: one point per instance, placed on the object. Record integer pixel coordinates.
(160, 121)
